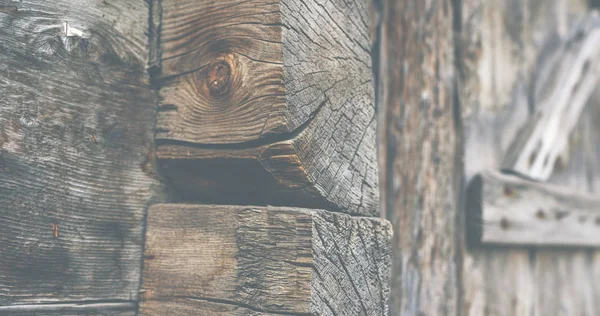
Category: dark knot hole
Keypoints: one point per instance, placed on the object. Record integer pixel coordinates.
(218, 78)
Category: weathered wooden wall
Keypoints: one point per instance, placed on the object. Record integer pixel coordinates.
(501, 44)
(453, 85)
(479, 58)
(76, 148)
(283, 88)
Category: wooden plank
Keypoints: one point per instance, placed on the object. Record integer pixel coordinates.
(72, 308)
(574, 273)
(76, 148)
(240, 260)
(264, 90)
(417, 150)
(508, 210)
(501, 43)
(564, 83)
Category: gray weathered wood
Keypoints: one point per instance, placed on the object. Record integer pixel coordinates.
(507, 210)
(501, 43)
(72, 309)
(417, 152)
(241, 260)
(564, 83)
(76, 148)
(275, 92)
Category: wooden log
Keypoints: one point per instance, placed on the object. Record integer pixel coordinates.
(507, 210)
(241, 260)
(76, 147)
(278, 93)
(417, 150)
(564, 83)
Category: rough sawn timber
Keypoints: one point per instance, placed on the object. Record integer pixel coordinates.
(278, 93)
(242, 260)
(76, 146)
(507, 210)
(564, 83)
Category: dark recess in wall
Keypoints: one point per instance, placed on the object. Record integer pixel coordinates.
(595, 4)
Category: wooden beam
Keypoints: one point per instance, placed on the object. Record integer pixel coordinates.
(76, 150)
(242, 260)
(418, 145)
(278, 93)
(116, 308)
(564, 83)
(507, 210)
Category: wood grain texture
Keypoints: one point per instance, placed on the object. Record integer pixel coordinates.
(563, 83)
(282, 89)
(417, 138)
(115, 308)
(574, 273)
(501, 45)
(240, 260)
(507, 210)
(76, 148)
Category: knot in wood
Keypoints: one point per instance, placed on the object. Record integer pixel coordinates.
(218, 79)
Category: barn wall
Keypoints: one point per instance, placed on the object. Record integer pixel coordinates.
(480, 57)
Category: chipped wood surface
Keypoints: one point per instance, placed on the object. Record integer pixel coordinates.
(276, 91)
(501, 44)
(242, 260)
(413, 55)
(507, 210)
(73, 204)
(563, 84)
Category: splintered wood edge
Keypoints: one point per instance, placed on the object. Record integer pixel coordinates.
(508, 210)
(303, 258)
(571, 78)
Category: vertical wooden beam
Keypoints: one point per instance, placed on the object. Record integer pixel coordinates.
(76, 151)
(418, 143)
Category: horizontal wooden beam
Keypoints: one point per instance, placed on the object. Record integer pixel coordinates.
(66, 308)
(278, 93)
(242, 260)
(565, 81)
(507, 210)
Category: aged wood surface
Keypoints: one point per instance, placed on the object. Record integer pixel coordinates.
(72, 309)
(242, 260)
(279, 91)
(507, 210)
(414, 75)
(76, 141)
(563, 84)
(501, 44)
